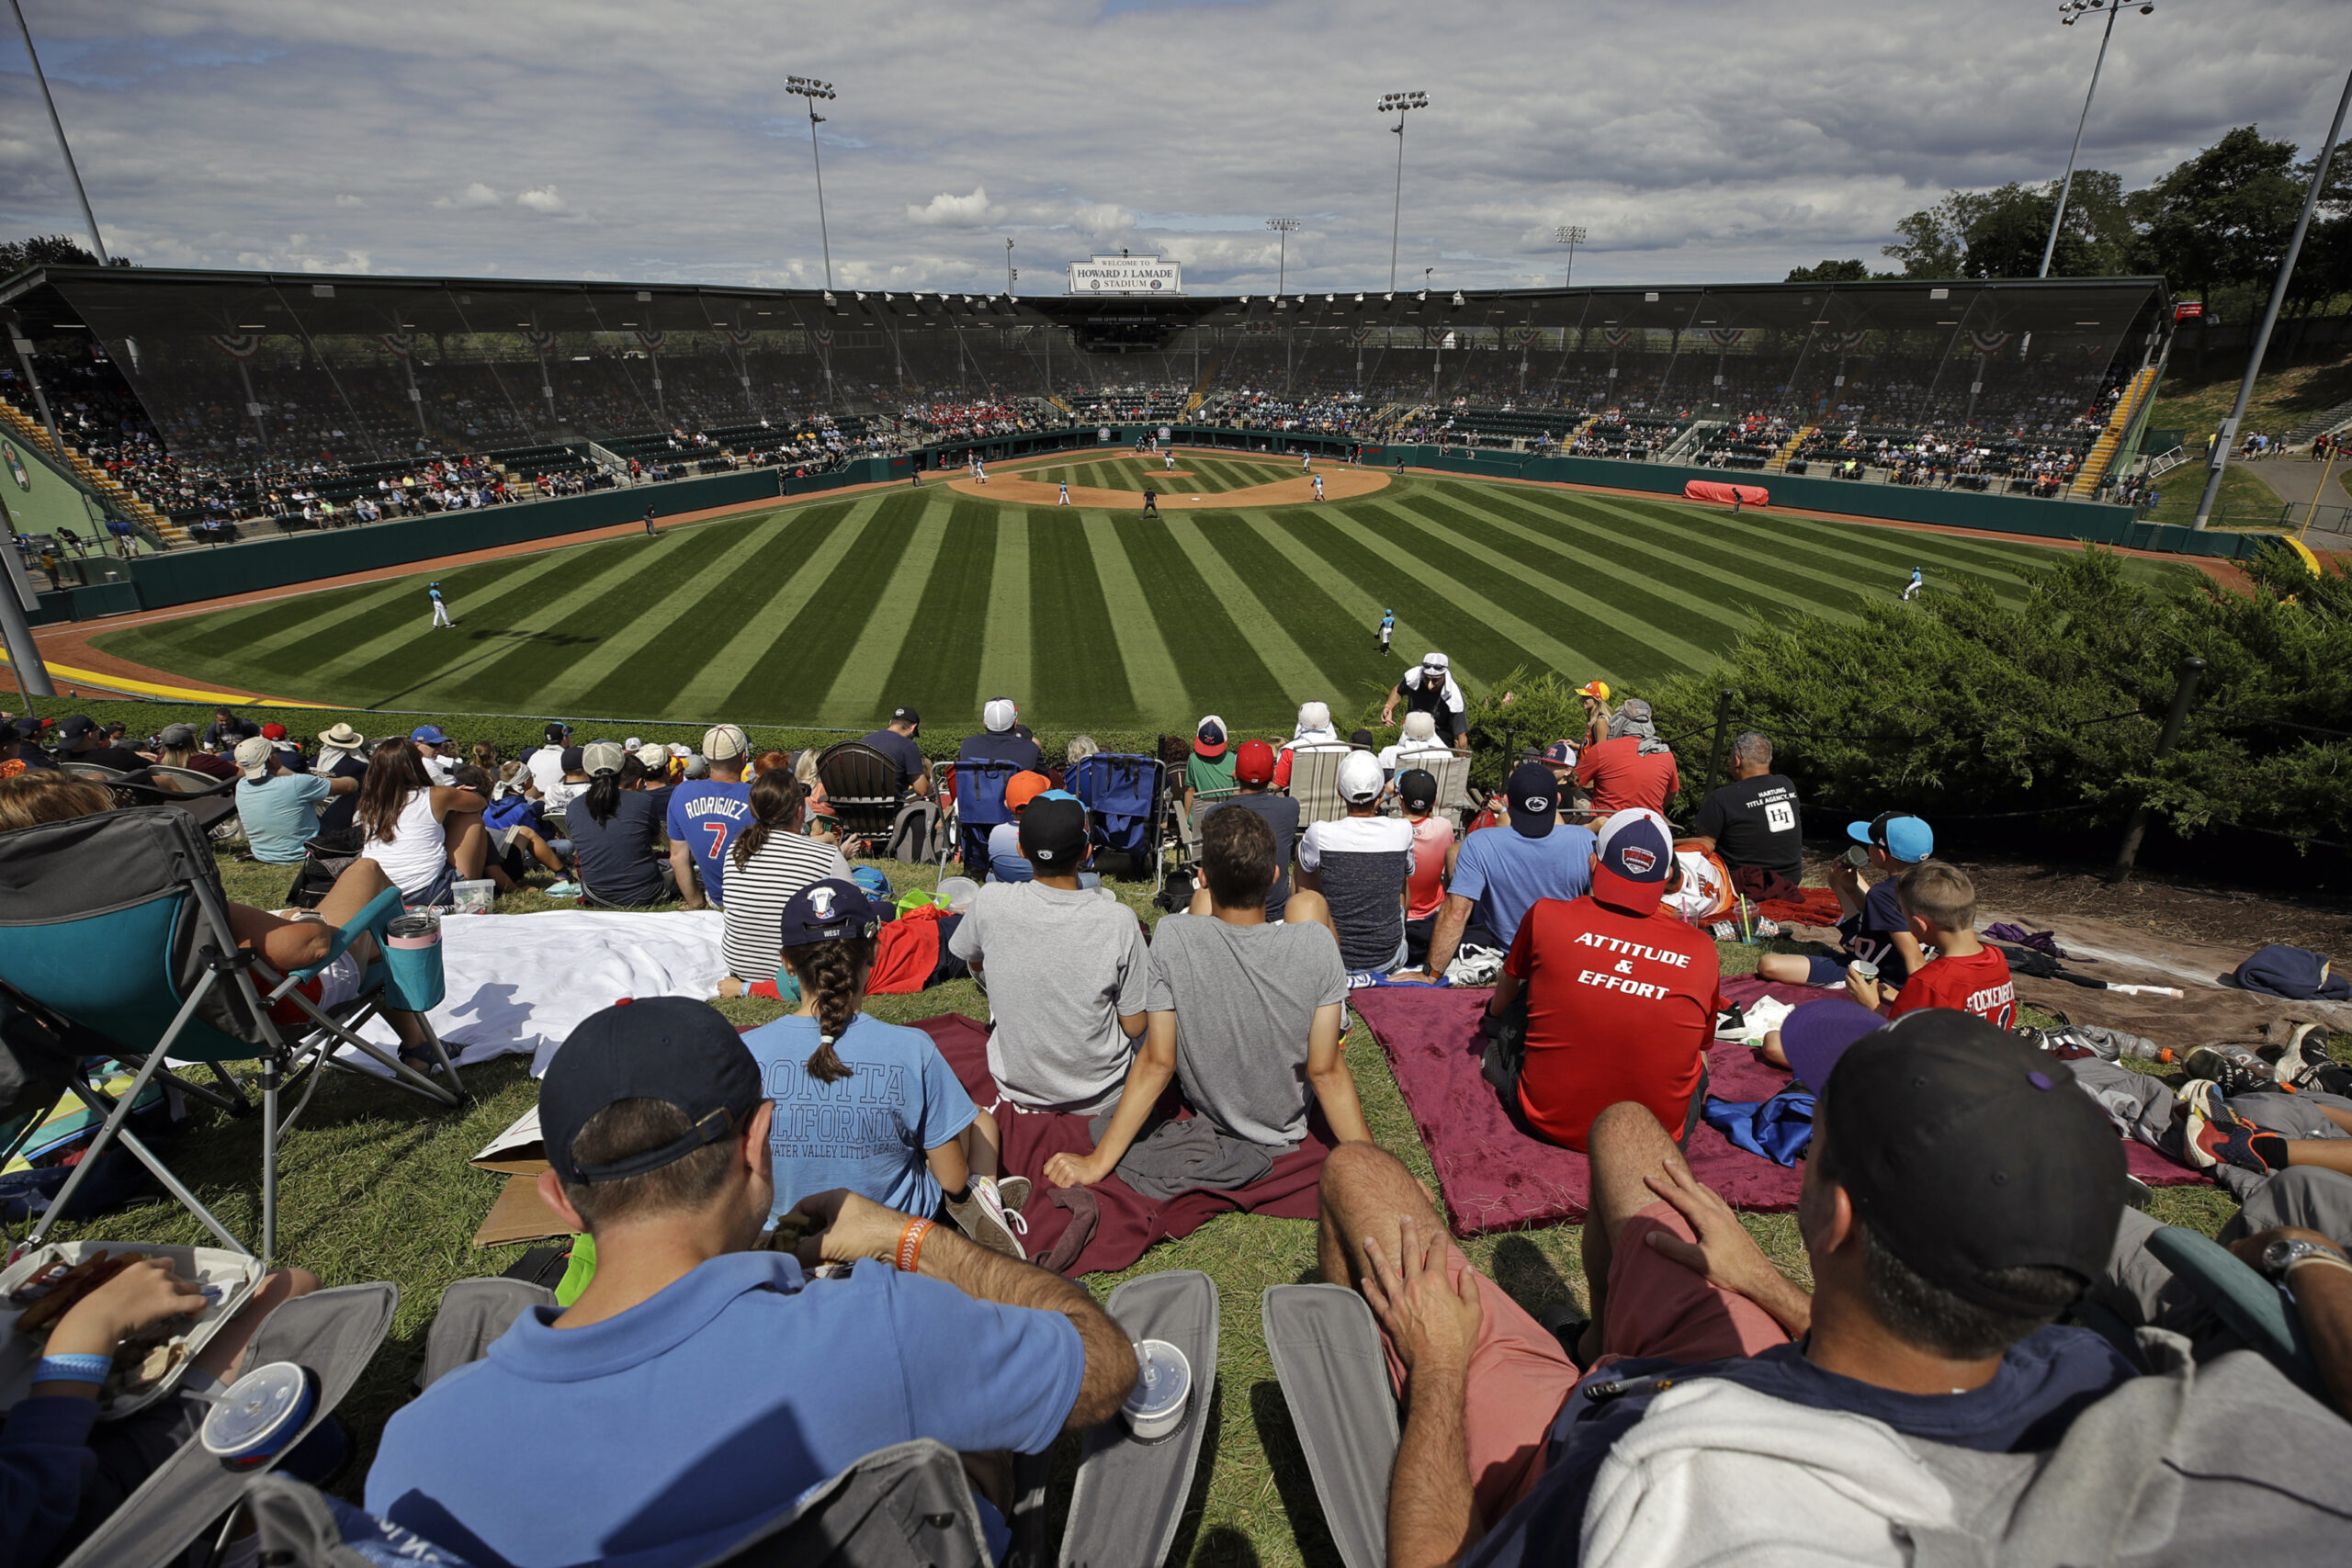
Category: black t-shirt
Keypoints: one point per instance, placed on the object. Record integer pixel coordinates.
(902, 749)
(121, 759)
(617, 859)
(1015, 748)
(224, 737)
(1281, 813)
(1756, 822)
(337, 813)
(1441, 700)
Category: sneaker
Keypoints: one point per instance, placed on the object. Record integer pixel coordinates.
(1013, 1191)
(2212, 1135)
(982, 1216)
(2114, 1043)
(2067, 1044)
(1767, 929)
(2299, 1059)
(2235, 1069)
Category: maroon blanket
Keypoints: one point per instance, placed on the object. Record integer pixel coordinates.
(1107, 1226)
(1495, 1177)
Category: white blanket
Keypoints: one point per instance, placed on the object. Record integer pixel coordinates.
(520, 984)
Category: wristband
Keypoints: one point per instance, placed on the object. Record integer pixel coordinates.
(911, 1244)
(73, 1369)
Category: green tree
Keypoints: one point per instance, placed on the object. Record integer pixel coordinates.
(2220, 220)
(43, 249)
(2000, 232)
(1853, 271)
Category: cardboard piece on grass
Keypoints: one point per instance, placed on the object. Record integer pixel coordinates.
(518, 1215)
(518, 1151)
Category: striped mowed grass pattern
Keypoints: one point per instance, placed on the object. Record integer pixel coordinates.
(833, 612)
(1202, 475)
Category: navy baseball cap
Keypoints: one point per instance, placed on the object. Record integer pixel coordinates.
(678, 1050)
(1562, 753)
(430, 734)
(1815, 1034)
(1635, 854)
(73, 727)
(1053, 834)
(1903, 838)
(1417, 787)
(829, 910)
(1534, 797)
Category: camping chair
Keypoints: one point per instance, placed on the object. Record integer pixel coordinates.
(861, 789)
(92, 772)
(115, 925)
(978, 806)
(1452, 771)
(1122, 796)
(1326, 1350)
(2259, 1313)
(1130, 1495)
(334, 1334)
(209, 800)
(1315, 784)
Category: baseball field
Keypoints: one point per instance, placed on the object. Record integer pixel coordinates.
(1242, 597)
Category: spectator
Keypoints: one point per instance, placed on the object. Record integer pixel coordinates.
(425, 836)
(1429, 687)
(1874, 928)
(658, 1142)
(572, 784)
(1604, 999)
(1006, 862)
(1313, 733)
(915, 1139)
(1938, 1280)
(226, 730)
(24, 747)
(1597, 713)
(1499, 874)
(1940, 906)
(706, 816)
(289, 750)
(1417, 739)
(1633, 768)
(1361, 863)
(1081, 748)
(1433, 849)
(1245, 1017)
(175, 747)
(1754, 822)
(430, 745)
(1561, 758)
(1253, 769)
(1065, 967)
(1361, 740)
(911, 830)
(613, 828)
(1001, 740)
(546, 761)
(769, 863)
(343, 754)
(79, 740)
(279, 810)
(1209, 769)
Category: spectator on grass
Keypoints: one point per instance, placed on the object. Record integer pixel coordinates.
(289, 750)
(1000, 739)
(80, 739)
(430, 745)
(1209, 769)
(546, 761)
(1065, 967)
(1956, 1201)
(1253, 771)
(1361, 863)
(657, 1138)
(1755, 823)
(175, 747)
(1633, 768)
(706, 816)
(23, 750)
(1939, 907)
(910, 829)
(614, 826)
(1873, 928)
(570, 784)
(427, 837)
(915, 1141)
(1414, 745)
(1499, 874)
(1429, 687)
(1606, 1000)
(1314, 732)
(226, 730)
(769, 862)
(343, 754)
(1433, 849)
(279, 810)
(1081, 747)
(1245, 1017)
(1006, 862)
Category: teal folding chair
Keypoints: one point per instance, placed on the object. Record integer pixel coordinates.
(115, 927)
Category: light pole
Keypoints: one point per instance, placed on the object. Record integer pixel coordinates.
(1399, 105)
(1571, 235)
(1285, 227)
(1012, 272)
(809, 87)
(88, 218)
(2068, 11)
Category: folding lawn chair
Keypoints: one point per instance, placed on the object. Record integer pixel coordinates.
(861, 790)
(1315, 784)
(1452, 771)
(92, 772)
(334, 1335)
(979, 807)
(114, 929)
(2259, 1313)
(1326, 1350)
(1130, 1493)
(1122, 794)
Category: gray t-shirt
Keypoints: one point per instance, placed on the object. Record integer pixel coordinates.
(1364, 863)
(1244, 998)
(1061, 967)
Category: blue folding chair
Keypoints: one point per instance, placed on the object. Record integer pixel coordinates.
(1122, 792)
(114, 928)
(979, 807)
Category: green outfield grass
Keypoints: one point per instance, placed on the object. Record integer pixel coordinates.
(1202, 475)
(833, 612)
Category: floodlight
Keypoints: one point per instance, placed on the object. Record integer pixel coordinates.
(831, 301)
(1457, 298)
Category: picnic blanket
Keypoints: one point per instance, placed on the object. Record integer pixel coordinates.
(1812, 907)
(1495, 1177)
(1083, 1230)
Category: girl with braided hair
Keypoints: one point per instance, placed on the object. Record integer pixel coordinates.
(867, 1105)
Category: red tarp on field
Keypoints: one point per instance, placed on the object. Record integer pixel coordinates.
(1716, 491)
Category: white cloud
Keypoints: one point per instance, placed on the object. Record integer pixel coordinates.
(542, 199)
(474, 195)
(944, 212)
(347, 200)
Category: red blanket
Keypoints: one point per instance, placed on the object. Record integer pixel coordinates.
(1715, 489)
(1815, 907)
(1495, 1177)
(1083, 1230)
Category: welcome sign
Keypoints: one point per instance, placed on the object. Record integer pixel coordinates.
(1126, 275)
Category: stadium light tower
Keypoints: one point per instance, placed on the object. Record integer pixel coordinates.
(1571, 235)
(2069, 12)
(1285, 227)
(1399, 105)
(73, 171)
(809, 87)
(1012, 272)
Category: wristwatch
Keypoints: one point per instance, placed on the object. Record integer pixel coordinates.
(2282, 1254)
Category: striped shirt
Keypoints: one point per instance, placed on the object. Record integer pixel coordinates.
(757, 892)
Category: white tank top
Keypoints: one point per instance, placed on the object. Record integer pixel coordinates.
(417, 852)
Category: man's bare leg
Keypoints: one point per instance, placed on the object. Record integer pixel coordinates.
(1364, 1192)
(1626, 1145)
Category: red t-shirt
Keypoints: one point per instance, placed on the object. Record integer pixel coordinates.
(1978, 983)
(1432, 836)
(1619, 1006)
(1619, 776)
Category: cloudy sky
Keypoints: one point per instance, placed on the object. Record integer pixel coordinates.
(1696, 140)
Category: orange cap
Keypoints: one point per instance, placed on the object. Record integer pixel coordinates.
(1023, 787)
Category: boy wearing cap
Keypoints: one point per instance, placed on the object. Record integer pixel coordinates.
(1429, 687)
(1633, 768)
(1000, 739)
(1499, 873)
(1433, 847)
(1361, 863)
(707, 816)
(697, 1385)
(1254, 766)
(279, 810)
(1874, 928)
(1209, 769)
(1939, 903)
(1621, 1003)
(1006, 863)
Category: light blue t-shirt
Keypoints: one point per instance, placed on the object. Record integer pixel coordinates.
(280, 814)
(869, 1131)
(1504, 872)
(656, 1434)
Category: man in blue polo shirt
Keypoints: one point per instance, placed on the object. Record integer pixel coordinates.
(698, 1386)
(706, 815)
(1499, 873)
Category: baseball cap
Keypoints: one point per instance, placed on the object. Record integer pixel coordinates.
(633, 744)
(429, 735)
(601, 757)
(1906, 839)
(1561, 751)
(1253, 763)
(1419, 725)
(1053, 834)
(1534, 797)
(1314, 716)
(1594, 688)
(906, 715)
(1023, 787)
(73, 727)
(828, 911)
(343, 737)
(574, 759)
(252, 756)
(29, 728)
(1636, 851)
(678, 1050)
(177, 735)
(1968, 1152)
(1360, 780)
(697, 766)
(273, 732)
(1417, 787)
(725, 742)
(558, 731)
(1636, 709)
(875, 882)
(1815, 1034)
(1361, 740)
(1209, 742)
(1000, 715)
